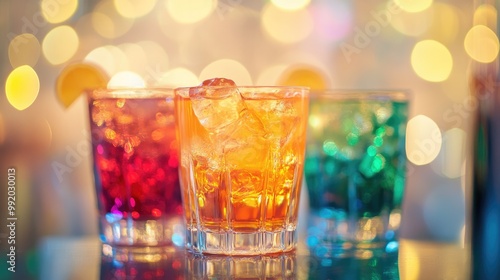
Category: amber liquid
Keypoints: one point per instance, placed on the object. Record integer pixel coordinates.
(247, 179)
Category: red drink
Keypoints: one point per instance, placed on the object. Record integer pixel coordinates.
(135, 162)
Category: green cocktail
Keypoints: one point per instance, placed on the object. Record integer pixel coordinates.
(355, 170)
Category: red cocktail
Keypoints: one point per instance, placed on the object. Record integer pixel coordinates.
(136, 167)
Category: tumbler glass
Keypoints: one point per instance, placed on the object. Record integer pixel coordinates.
(241, 165)
(355, 170)
(135, 158)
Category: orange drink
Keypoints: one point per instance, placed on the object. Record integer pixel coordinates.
(241, 161)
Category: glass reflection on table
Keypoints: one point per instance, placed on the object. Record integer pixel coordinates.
(172, 263)
(144, 263)
(85, 258)
(168, 263)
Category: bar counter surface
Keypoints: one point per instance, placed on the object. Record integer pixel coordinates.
(85, 258)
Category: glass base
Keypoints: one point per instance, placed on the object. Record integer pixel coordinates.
(240, 244)
(168, 231)
(340, 236)
(280, 266)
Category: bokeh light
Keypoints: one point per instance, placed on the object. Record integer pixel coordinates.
(291, 4)
(445, 23)
(60, 44)
(486, 15)
(156, 61)
(423, 140)
(126, 79)
(333, 20)
(134, 8)
(108, 23)
(413, 6)
(76, 78)
(412, 24)
(58, 11)
(190, 11)
(227, 68)
(270, 75)
(24, 49)
(481, 44)
(286, 26)
(304, 75)
(22, 87)
(110, 58)
(178, 77)
(451, 158)
(431, 61)
(136, 57)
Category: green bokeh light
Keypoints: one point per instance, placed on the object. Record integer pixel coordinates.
(378, 163)
(378, 141)
(352, 139)
(330, 148)
(372, 151)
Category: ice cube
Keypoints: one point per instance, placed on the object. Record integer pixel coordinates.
(218, 82)
(217, 103)
(235, 130)
(284, 120)
(246, 145)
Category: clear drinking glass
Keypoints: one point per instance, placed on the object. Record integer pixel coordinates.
(241, 162)
(135, 158)
(355, 170)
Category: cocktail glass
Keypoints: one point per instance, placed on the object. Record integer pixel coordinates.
(355, 170)
(135, 158)
(241, 165)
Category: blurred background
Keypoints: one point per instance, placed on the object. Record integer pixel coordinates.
(424, 46)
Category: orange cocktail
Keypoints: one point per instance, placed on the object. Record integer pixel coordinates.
(241, 162)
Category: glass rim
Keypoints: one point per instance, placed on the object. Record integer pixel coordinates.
(361, 94)
(242, 87)
(184, 92)
(131, 93)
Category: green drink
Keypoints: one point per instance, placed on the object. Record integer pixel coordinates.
(355, 170)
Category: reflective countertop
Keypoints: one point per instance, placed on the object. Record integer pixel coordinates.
(85, 258)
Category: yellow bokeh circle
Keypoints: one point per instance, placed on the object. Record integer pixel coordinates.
(413, 6)
(423, 140)
(58, 11)
(60, 44)
(126, 79)
(304, 75)
(227, 68)
(134, 8)
(287, 26)
(190, 11)
(22, 87)
(431, 61)
(107, 22)
(291, 4)
(481, 44)
(24, 49)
